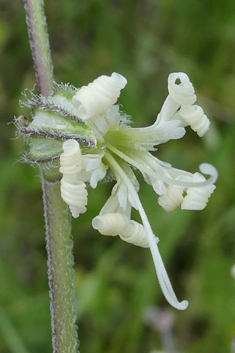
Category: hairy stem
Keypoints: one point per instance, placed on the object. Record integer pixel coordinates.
(39, 43)
(60, 269)
(57, 217)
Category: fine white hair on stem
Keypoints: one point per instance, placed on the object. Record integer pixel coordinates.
(98, 95)
(117, 224)
(73, 190)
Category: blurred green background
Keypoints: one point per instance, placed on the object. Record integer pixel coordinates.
(144, 40)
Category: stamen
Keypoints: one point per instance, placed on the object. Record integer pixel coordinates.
(208, 168)
(159, 266)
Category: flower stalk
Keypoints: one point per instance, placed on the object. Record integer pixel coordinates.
(60, 269)
(57, 217)
(39, 43)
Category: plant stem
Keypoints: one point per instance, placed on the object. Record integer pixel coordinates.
(57, 217)
(39, 43)
(60, 269)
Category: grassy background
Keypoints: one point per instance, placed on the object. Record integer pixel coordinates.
(116, 282)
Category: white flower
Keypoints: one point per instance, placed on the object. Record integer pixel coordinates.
(73, 190)
(125, 148)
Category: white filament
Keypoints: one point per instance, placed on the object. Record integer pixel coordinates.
(99, 95)
(209, 169)
(205, 168)
(73, 191)
(159, 266)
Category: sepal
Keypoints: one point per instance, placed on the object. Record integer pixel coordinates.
(54, 120)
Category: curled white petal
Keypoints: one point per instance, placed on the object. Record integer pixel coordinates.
(195, 117)
(172, 198)
(73, 190)
(70, 160)
(110, 223)
(75, 195)
(197, 198)
(183, 93)
(117, 224)
(99, 95)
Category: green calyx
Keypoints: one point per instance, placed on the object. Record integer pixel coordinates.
(54, 120)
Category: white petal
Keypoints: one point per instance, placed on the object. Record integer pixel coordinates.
(110, 224)
(113, 117)
(98, 175)
(99, 95)
(157, 184)
(195, 117)
(167, 130)
(117, 224)
(71, 159)
(75, 196)
(93, 169)
(197, 197)
(91, 161)
(168, 110)
(122, 196)
(135, 234)
(172, 198)
(183, 93)
(112, 205)
(73, 191)
(100, 124)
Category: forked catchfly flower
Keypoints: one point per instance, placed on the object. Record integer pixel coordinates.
(123, 150)
(82, 135)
